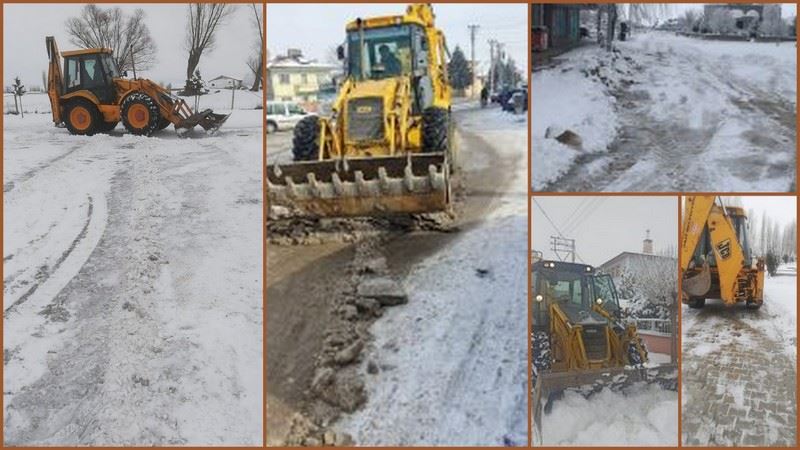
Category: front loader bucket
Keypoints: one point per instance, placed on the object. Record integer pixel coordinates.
(699, 284)
(378, 186)
(549, 386)
(206, 119)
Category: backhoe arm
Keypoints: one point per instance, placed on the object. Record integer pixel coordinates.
(700, 212)
(55, 81)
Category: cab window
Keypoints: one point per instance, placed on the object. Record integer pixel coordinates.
(92, 72)
(73, 75)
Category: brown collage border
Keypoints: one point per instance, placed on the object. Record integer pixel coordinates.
(677, 195)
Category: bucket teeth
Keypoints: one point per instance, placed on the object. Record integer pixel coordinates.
(383, 179)
(338, 187)
(408, 178)
(361, 187)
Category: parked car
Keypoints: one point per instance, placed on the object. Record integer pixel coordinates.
(283, 115)
(516, 100)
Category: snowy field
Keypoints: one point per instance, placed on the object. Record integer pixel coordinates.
(667, 113)
(728, 352)
(133, 284)
(458, 348)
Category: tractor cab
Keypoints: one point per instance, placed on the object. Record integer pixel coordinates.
(93, 70)
(577, 289)
(391, 47)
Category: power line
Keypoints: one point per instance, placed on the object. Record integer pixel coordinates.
(555, 227)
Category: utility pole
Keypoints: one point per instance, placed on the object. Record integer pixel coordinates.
(499, 56)
(563, 248)
(492, 43)
(473, 30)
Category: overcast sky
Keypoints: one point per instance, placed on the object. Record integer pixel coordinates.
(316, 28)
(676, 9)
(26, 25)
(604, 227)
(782, 209)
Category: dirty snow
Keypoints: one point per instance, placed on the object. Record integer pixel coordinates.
(132, 290)
(689, 114)
(644, 415)
(455, 356)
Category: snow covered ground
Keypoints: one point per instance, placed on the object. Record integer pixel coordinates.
(728, 353)
(457, 351)
(132, 291)
(643, 415)
(689, 114)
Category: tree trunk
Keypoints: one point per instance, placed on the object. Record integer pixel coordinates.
(191, 66)
(599, 26)
(257, 81)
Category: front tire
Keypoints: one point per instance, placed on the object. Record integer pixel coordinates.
(140, 114)
(82, 117)
(435, 129)
(271, 127)
(305, 143)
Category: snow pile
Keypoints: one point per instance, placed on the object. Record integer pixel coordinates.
(569, 97)
(644, 415)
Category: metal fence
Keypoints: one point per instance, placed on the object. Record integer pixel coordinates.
(654, 325)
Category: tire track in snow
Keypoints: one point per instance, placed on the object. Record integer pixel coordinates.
(10, 185)
(46, 272)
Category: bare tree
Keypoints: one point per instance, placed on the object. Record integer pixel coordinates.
(204, 19)
(690, 21)
(256, 62)
(721, 21)
(127, 35)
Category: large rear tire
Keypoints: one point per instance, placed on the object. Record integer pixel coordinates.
(140, 114)
(82, 117)
(305, 143)
(697, 302)
(435, 129)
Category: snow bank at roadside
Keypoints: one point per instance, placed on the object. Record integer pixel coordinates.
(454, 358)
(569, 97)
(645, 415)
(780, 300)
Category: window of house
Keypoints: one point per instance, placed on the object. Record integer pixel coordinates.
(283, 78)
(304, 78)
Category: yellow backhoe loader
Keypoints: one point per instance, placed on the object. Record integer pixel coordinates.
(386, 149)
(580, 341)
(91, 95)
(716, 259)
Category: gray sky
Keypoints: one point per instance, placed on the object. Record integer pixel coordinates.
(315, 28)
(782, 209)
(604, 227)
(26, 25)
(677, 9)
